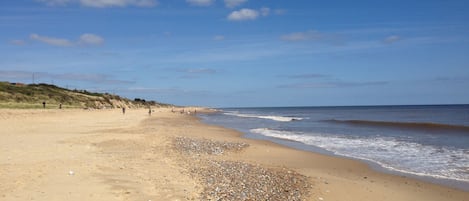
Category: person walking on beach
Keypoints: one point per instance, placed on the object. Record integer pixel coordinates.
(123, 110)
(149, 111)
(44, 104)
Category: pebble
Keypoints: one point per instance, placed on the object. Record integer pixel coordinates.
(234, 180)
(205, 146)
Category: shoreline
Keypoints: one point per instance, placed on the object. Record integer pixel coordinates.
(366, 165)
(447, 182)
(66, 155)
(298, 145)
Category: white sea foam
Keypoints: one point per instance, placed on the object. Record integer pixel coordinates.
(275, 118)
(390, 153)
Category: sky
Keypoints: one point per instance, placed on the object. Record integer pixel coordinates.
(243, 53)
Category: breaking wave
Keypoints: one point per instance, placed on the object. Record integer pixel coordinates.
(388, 152)
(274, 118)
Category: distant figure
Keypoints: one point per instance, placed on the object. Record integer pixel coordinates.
(149, 111)
(123, 110)
(60, 106)
(44, 104)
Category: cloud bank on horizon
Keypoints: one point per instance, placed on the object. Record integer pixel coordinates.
(242, 52)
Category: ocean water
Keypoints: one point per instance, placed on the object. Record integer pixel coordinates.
(430, 142)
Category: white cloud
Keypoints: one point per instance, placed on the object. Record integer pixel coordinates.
(200, 2)
(391, 39)
(194, 70)
(307, 76)
(55, 2)
(336, 84)
(118, 3)
(219, 38)
(191, 73)
(303, 36)
(102, 3)
(265, 11)
(280, 11)
(249, 50)
(234, 3)
(91, 78)
(18, 42)
(85, 39)
(51, 41)
(14, 74)
(91, 39)
(200, 71)
(243, 14)
(316, 36)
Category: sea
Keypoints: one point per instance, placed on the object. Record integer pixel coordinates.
(430, 142)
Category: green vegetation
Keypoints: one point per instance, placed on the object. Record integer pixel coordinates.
(14, 95)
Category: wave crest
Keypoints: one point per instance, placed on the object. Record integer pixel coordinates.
(270, 117)
(388, 152)
(405, 125)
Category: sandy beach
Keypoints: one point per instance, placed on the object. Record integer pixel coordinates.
(106, 155)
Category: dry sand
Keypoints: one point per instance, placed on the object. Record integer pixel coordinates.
(105, 155)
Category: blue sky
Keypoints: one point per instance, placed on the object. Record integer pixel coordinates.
(228, 53)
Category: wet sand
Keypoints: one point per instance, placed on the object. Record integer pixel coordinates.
(105, 155)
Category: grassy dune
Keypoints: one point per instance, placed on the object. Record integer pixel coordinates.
(32, 96)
